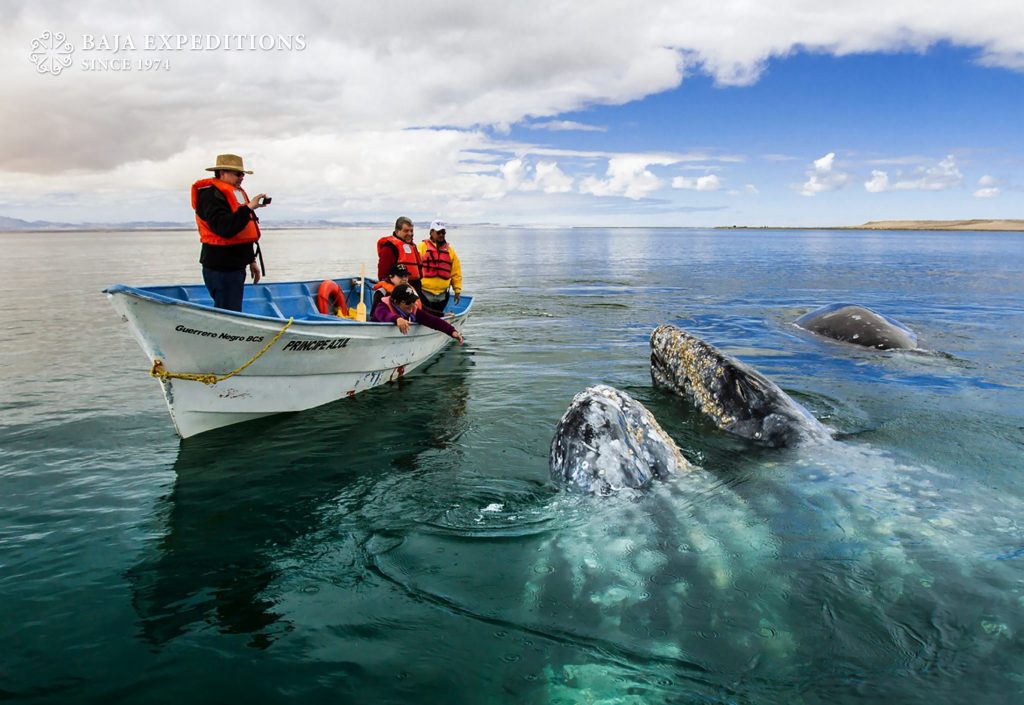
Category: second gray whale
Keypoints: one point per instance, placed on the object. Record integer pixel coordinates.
(858, 325)
(738, 398)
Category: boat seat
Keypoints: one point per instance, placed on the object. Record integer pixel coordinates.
(294, 306)
(193, 294)
(262, 308)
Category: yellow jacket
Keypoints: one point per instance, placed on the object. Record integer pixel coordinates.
(438, 285)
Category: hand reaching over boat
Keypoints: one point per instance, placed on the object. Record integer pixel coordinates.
(403, 307)
(254, 270)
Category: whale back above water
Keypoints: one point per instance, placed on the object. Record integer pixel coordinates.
(738, 398)
(607, 441)
(858, 325)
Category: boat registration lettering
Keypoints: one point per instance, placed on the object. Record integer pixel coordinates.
(312, 345)
(222, 336)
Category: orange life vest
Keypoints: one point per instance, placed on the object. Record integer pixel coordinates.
(408, 254)
(251, 231)
(387, 286)
(437, 262)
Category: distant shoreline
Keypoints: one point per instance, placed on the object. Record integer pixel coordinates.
(978, 225)
(953, 225)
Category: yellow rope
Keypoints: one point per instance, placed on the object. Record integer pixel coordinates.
(159, 371)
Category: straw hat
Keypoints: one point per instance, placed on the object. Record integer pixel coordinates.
(228, 162)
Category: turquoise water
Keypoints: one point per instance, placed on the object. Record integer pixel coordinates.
(406, 546)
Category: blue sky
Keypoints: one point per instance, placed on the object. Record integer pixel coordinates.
(895, 112)
(669, 113)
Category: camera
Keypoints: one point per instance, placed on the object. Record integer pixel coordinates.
(265, 201)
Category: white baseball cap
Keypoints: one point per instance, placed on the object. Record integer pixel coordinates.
(437, 225)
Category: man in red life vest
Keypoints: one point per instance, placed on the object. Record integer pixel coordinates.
(440, 270)
(398, 248)
(228, 229)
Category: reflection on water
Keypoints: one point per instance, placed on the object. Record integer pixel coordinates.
(241, 498)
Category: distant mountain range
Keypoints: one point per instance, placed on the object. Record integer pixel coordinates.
(19, 225)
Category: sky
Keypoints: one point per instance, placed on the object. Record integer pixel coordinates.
(668, 113)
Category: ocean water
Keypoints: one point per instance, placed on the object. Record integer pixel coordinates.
(407, 546)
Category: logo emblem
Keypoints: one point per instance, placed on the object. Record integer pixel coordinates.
(51, 53)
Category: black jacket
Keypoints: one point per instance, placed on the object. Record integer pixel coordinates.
(213, 208)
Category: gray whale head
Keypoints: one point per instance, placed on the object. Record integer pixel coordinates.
(738, 398)
(858, 325)
(608, 441)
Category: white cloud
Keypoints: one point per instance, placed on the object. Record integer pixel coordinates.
(988, 187)
(551, 179)
(565, 126)
(627, 176)
(545, 176)
(824, 165)
(878, 182)
(936, 177)
(387, 100)
(823, 177)
(939, 177)
(358, 72)
(709, 182)
(515, 173)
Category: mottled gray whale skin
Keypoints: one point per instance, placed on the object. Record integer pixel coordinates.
(738, 398)
(858, 325)
(607, 441)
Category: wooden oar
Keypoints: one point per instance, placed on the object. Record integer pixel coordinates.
(361, 307)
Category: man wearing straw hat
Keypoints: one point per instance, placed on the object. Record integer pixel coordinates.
(228, 229)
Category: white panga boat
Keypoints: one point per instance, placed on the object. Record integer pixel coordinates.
(278, 354)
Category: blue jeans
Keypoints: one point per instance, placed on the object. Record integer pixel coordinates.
(225, 287)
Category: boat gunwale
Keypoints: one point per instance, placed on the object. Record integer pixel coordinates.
(145, 293)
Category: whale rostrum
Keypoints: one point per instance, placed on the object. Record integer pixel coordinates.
(738, 398)
(607, 441)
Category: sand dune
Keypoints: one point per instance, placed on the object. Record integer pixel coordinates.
(977, 224)
(941, 225)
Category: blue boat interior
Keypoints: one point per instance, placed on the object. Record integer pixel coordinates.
(281, 300)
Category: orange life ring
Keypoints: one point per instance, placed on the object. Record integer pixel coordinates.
(330, 289)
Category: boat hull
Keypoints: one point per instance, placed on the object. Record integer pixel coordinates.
(313, 362)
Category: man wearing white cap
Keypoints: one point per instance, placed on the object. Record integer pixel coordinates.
(440, 271)
(228, 229)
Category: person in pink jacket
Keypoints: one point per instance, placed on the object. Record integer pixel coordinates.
(403, 308)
